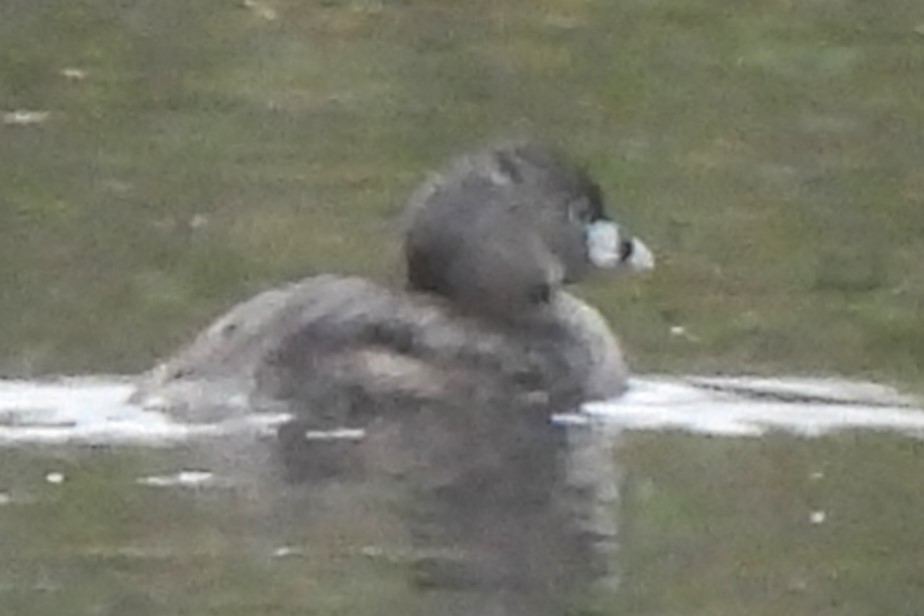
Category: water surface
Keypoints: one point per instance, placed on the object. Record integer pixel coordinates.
(734, 496)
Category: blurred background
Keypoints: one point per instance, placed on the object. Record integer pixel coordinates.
(162, 159)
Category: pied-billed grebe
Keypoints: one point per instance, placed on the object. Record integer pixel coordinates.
(489, 244)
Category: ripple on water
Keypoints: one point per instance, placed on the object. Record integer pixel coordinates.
(96, 409)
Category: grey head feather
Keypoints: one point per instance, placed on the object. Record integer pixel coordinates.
(502, 229)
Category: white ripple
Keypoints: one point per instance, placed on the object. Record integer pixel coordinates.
(95, 409)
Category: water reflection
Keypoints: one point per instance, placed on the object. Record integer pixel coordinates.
(506, 512)
(93, 518)
(510, 532)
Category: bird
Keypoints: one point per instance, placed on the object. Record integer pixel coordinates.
(484, 320)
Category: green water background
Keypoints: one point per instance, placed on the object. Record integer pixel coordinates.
(196, 152)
